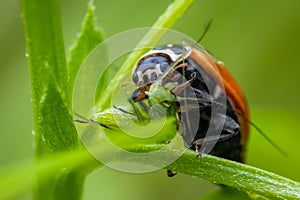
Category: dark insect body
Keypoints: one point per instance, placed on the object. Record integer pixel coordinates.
(188, 79)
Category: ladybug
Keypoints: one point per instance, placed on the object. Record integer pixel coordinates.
(187, 79)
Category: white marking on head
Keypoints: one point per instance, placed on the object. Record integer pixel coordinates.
(148, 73)
(173, 56)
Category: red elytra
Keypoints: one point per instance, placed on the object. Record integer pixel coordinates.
(233, 91)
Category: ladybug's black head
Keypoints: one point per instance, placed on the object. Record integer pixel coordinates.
(140, 93)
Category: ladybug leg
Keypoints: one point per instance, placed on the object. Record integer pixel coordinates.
(197, 144)
(170, 173)
(171, 77)
(181, 87)
(174, 78)
(230, 129)
(183, 65)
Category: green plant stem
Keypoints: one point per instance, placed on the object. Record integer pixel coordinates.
(17, 178)
(165, 21)
(51, 98)
(242, 177)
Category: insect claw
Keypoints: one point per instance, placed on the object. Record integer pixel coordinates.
(199, 155)
(170, 173)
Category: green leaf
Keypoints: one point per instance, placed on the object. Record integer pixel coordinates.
(88, 39)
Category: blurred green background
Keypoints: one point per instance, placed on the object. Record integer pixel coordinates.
(258, 41)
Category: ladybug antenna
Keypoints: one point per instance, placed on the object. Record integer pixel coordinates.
(265, 136)
(207, 27)
(127, 83)
(171, 68)
(85, 120)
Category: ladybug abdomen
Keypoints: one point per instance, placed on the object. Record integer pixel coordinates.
(198, 115)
